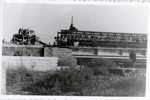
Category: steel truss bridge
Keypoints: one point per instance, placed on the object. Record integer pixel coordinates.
(91, 44)
(102, 39)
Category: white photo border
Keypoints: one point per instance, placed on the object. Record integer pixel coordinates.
(22, 97)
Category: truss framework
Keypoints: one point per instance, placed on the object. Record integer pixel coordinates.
(91, 38)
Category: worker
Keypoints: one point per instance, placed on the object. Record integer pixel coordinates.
(133, 58)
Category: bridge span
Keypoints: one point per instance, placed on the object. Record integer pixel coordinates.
(120, 56)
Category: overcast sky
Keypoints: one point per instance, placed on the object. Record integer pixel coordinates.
(48, 19)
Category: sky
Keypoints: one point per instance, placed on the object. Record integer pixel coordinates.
(48, 19)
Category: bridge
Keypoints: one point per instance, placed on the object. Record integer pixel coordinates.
(119, 55)
(102, 39)
(111, 45)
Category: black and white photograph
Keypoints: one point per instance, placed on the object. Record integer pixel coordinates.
(74, 49)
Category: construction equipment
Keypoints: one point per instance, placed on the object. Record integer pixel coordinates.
(25, 36)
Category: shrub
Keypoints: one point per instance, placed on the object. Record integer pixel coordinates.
(21, 74)
(129, 86)
(15, 75)
(100, 70)
(68, 61)
(99, 66)
(116, 86)
(100, 62)
(61, 81)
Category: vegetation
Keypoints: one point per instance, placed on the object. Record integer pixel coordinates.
(68, 61)
(93, 79)
(60, 81)
(116, 86)
(15, 75)
(21, 74)
(99, 66)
